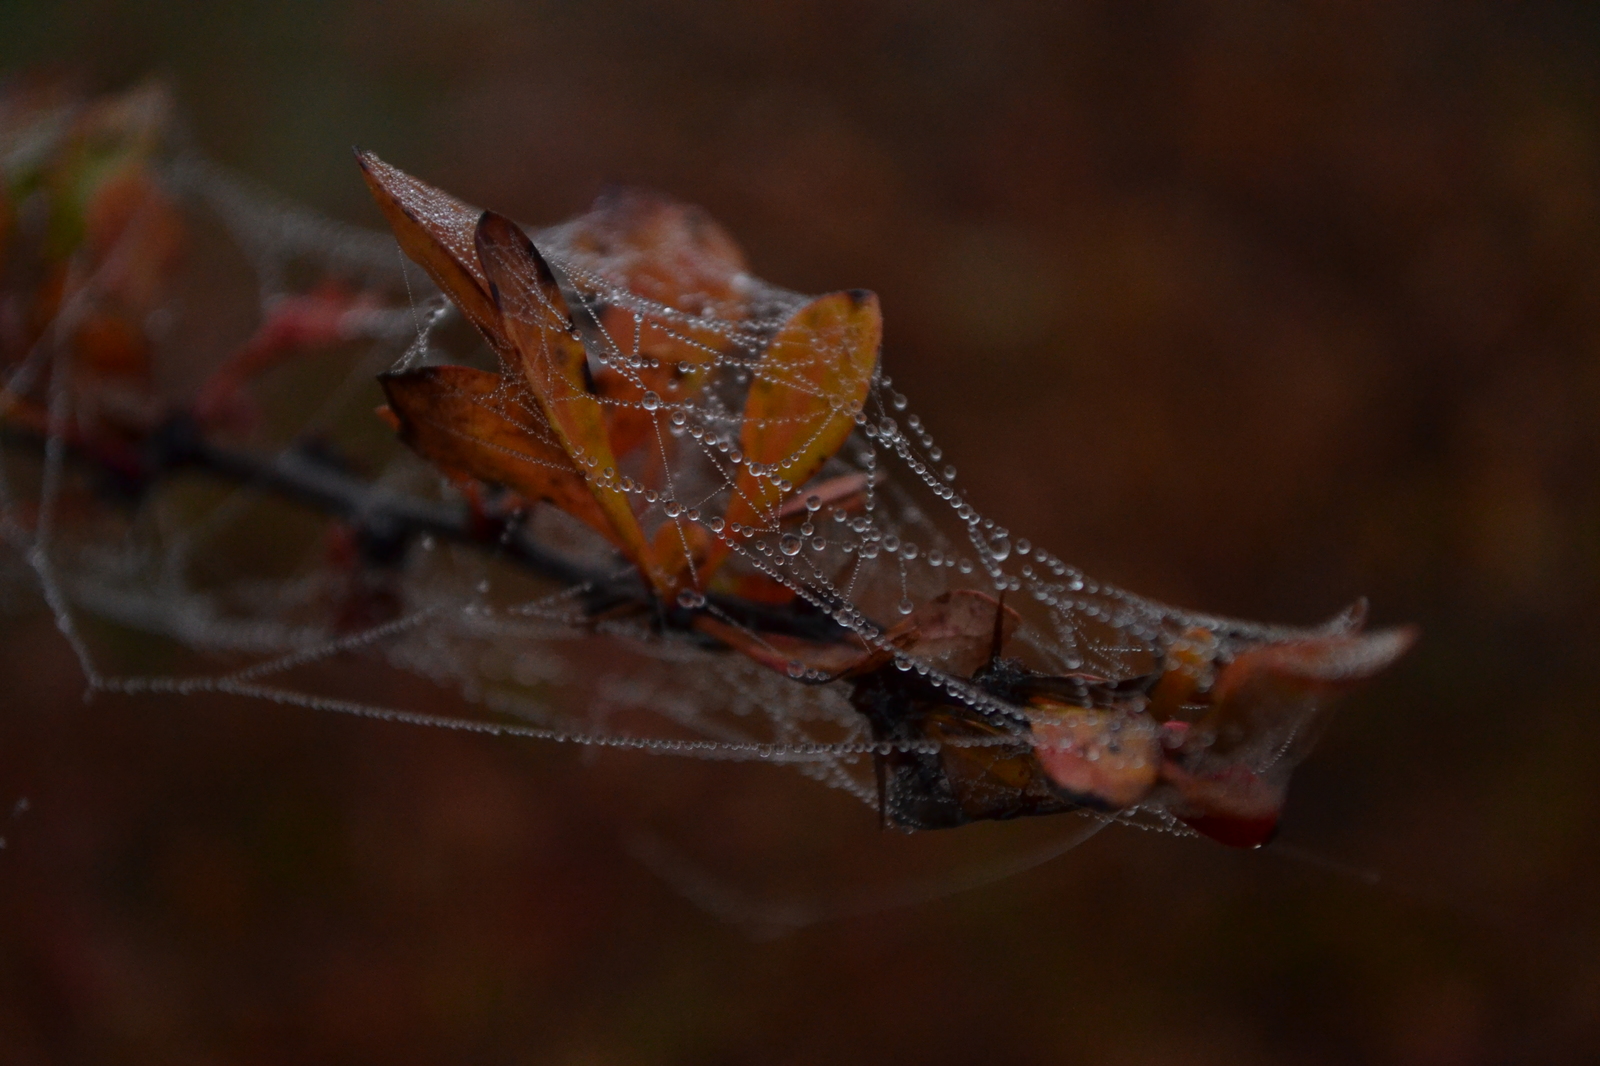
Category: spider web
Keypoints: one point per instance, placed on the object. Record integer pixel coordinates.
(532, 654)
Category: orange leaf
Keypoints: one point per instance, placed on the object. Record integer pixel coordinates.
(468, 421)
(438, 232)
(541, 327)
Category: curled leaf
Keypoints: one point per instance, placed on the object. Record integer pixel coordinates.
(554, 365)
(1230, 771)
(439, 233)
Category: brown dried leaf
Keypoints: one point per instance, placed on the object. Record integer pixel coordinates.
(467, 421)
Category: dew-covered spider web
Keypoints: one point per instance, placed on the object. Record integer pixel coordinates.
(236, 497)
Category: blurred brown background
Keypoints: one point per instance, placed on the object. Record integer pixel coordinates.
(1252, 307)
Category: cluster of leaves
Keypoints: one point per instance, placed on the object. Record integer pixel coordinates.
(988, 737)
(646, 319)
(89, 243)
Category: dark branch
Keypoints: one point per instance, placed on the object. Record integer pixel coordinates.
(388, 521)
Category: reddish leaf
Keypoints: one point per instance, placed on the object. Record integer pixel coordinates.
(846, 493)
(292, 324)
(1108, 759)
(1231, 771)
(1235, 805)
(787, 654)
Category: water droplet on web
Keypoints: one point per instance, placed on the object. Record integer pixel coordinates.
(891, 543)
(797, 669)
(935, 557)
(673, 508)
(736, 457)
(651, 495)
(902, 664)
(869, 549)
(813, 503)
(908, 551)
(679, 418)
(949, 473)
(1023, 546)
(789, 544)
(692, 514)
(1000, 546)
(906, 607)
(650, 402)
(818, 543)
(714, 524)
(899, 402)
(690, 599)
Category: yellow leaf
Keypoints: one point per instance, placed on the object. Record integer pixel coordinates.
(806, 391)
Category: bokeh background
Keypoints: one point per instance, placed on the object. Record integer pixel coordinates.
(1246, 306)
